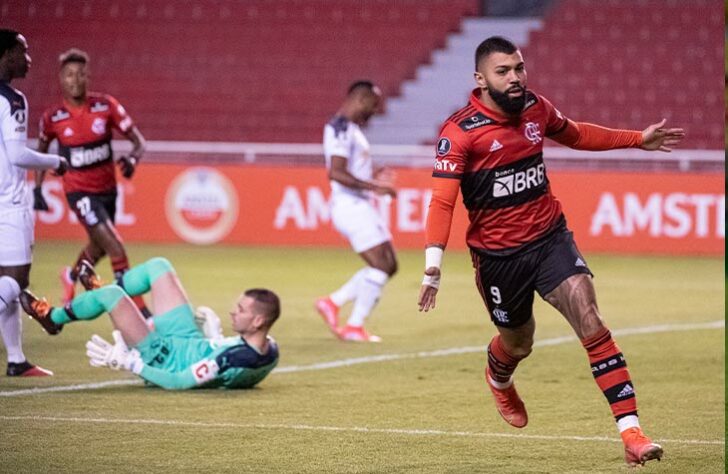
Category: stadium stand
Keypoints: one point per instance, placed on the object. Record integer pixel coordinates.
(274, 70)
(620, 63)
(627, 63)
(231, 70)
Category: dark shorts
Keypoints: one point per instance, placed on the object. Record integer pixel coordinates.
(507, 283)
(92, 209)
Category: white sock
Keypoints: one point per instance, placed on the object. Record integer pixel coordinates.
(349, 290)
(9, 291)
(370, 288)
(627, 422)
(11, 328)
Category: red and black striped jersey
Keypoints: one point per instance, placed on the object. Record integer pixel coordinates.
(503, 180)
(84, 137)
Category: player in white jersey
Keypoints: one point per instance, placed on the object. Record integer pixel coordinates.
(354, 181)
(16, 220)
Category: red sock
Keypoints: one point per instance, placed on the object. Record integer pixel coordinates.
(120, 265)
(501, 363)
(610, 373)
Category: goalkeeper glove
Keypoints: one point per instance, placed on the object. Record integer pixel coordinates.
(208, 322)
(115, 356)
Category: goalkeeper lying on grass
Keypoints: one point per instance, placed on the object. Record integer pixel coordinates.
(170, 349)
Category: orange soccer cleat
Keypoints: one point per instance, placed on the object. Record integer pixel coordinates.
(509, 404)
(87, 275)
(40, 310)
(638, 448)
(329, 312)
(357, 334)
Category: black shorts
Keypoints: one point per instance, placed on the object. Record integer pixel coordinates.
(92, 209)
(507, 283)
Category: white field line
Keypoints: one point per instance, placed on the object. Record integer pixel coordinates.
(352, 429)
(386, 357)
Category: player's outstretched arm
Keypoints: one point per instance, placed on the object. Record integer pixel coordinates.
(656, 137)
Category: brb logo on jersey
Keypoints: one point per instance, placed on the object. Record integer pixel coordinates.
(509, 182)
(202, 205)
(532, 132)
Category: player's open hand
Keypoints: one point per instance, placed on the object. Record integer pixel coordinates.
(428, 291)
(656, 137)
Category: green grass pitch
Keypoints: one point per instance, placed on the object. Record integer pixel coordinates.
(410, 410)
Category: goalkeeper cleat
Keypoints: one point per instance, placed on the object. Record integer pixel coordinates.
(26, 369)
(68, 284)
(638, 448)
(87, 275)
(329, 312)
(40, 310)
(356, 334)
(509, 404)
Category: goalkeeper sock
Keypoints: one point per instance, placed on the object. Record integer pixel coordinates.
(89, 305)
(138, 280)
(370, 289)
(120, 265)
(610, 373)
(349, 290)
(501, 364)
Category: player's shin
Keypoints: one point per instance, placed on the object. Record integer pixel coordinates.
(501, 364)
(370, 289)
(611, 375)
(89, 305)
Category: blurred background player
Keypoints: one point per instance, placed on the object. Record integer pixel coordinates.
(16, 221)
(492, 149)
(82, 124)
(169, 350)
(353, 180)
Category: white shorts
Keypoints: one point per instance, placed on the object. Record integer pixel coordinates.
(358, 221)
(16, 237)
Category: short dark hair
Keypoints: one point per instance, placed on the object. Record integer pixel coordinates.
(494, 44)
(8, 40)
(360, 85)
(73, 55)
(268, 303)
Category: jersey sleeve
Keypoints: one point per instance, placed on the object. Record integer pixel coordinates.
(556, 122)
(450, 162)
(451, 152)
(14, 118)
(195, 375)
(119, 119)
(45, 128)
(338, 139)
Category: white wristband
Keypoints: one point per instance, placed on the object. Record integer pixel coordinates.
(431, 280)
(433, 257)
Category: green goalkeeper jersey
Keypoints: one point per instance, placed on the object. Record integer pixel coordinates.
(178, 363)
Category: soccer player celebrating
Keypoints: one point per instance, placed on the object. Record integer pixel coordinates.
(16, 221)
(353, 180)
(170, 349)
(82, 124)
(492, 150)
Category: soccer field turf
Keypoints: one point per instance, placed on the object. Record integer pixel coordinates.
(416, 402)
